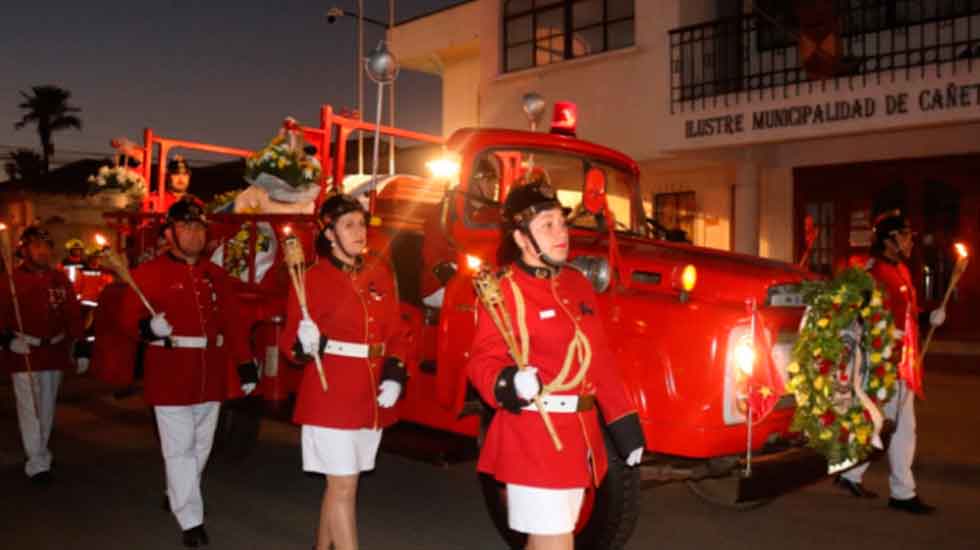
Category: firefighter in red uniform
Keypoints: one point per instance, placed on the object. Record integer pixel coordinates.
(75, 260)
(545, 486)
(891, 249)
(178, 180)
(92, 279)
(354, 325)
(190, 345)
(52, 328)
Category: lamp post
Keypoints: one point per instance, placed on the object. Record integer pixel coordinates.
(382, 68)
(335, 13)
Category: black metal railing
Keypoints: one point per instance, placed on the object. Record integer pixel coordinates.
(757, 55)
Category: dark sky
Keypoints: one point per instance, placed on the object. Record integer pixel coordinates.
(215, 71)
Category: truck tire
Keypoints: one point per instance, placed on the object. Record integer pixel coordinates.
(609, 513)
(238, 429)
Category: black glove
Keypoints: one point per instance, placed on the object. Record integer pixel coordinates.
(301, 357)
(505, 391)
(248, 373)
(81, 349)
(627, 434)
(394, 370)
(5, 338)
(444, 271)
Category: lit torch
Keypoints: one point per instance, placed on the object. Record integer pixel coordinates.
(102, 241)
(961, 263)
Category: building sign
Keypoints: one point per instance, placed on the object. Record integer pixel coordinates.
(946, 98)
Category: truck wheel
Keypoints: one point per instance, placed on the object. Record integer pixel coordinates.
(608, 516)
(720, 491)
(238, 429)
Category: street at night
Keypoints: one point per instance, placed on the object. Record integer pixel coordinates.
(109, 479)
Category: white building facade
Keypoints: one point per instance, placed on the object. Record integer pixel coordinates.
(745, 117)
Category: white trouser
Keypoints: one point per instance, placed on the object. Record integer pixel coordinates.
(901, 450)
(35, 424)
(186, 435)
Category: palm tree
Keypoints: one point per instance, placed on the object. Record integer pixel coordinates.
(49, 109)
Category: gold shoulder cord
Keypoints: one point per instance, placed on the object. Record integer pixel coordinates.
(578, 348)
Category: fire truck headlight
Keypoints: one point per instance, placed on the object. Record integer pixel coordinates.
(444, 168)
(689, 277)
(596, 270)
(744, 356)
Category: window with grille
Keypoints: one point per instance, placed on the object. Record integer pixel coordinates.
(822, 254)
(541, 32)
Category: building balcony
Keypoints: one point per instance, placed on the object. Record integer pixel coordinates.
(785, 50)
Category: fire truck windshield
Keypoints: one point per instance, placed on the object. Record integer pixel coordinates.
(498, 170)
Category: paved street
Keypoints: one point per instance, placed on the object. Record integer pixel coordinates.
(109, 481)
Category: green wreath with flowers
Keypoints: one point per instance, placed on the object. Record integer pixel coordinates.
(843, 314)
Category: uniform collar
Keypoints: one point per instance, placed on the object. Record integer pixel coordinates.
(345, 267)
(537, 272)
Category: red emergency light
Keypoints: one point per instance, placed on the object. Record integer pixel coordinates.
(564, 117)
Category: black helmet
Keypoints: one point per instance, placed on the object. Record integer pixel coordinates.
(336, 206)
(188, 209)
(178, 165)
(35, 233)
(527, 201)
(888, 223)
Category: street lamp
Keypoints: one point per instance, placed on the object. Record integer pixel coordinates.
(332, 15)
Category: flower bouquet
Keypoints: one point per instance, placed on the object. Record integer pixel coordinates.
(118, 179)
(285, 169)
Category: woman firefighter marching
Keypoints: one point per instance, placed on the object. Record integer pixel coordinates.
(351, 320)
(543, 358)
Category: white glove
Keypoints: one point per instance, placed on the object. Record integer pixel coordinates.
(635, 457)
(309, 336)
(81, 365)
(248, 388)
(389, 390)
(937, 317)
(160, 327)
(526, 383)
(20, 346)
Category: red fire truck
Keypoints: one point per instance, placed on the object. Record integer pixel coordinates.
(675, 313)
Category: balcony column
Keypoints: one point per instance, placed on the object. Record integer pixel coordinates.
(745, 208)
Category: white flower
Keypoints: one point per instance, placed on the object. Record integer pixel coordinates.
(104, 170)
(887, 352)
(881, 325)
(882, 394)
(308, 174)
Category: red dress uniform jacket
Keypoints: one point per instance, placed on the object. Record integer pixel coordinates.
(518, 448)
(900, 299)
(355, 306)
(90, 283)
(198, 300)
(48, 308)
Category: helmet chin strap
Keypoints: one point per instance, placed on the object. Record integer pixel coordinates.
(340, 245)
(547, 260)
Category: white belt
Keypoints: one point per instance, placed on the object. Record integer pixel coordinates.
(195, 342)
(89, 303)
(36, 342)
(352, 349)
(556, 404)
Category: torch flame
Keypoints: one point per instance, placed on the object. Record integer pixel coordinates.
(100, 240)
(3, 226)
(287, 230)
(961, 250)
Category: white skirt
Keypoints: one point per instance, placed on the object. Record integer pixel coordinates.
(540, 511)
(338, 452)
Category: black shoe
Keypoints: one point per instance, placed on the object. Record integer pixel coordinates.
(41, 478)
(911, 505)
(196, 537)
(856, 489)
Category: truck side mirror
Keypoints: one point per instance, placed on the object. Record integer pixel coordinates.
(594, 197)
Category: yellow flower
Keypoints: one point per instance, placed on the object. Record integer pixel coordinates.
(816, 352)
(838, 298)
(874, 383)
(281, 163)
(889, 379)
(826, 434)
(845, 424)
(818, 383)
(822, 323)
(862, 434)
(856, 418)
(866, 312)
(802, 399)
(875, 358)
(793, 367)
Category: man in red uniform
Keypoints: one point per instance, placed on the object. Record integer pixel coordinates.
(192, 342)
(92, 279)
(75, 260)
(545, 486)
(892, 248)
(43, 347)
(354, 324)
